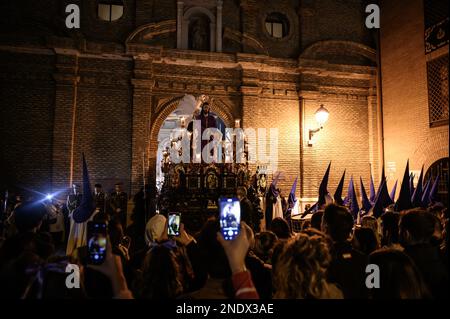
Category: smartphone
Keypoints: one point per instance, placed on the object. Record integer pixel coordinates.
(174, 224)
(97, 237)
(230, 217)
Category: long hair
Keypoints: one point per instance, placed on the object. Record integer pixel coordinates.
(399, 276)
(161, 276)
(302, 267)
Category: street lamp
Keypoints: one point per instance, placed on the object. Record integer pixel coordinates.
(321, 116)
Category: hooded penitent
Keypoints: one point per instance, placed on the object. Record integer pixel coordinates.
(418, 192)
(338, 193)
(404, 197)
(365, 202)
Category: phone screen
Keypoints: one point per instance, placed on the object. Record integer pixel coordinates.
(230, 217)
(97, 242)
(174, 224)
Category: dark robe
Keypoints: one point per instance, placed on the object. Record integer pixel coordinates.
(207, 121)
(119, 200)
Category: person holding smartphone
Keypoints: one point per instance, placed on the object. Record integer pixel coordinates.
(236, 250)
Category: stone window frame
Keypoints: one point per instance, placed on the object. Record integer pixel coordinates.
(185, 26)
(293, 24)
(111, 2)
(285, 25)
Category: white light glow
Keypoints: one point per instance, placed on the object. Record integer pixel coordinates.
(322, 115)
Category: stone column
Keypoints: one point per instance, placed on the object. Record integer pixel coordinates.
(219, 26)
(180, 8)
(142, 108)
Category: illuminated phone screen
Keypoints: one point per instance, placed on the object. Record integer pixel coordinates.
(230, 217)
(97, 242)
(174, 224)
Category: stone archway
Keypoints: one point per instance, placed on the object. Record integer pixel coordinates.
(223, 110)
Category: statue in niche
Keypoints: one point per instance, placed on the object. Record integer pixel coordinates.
(199, 33)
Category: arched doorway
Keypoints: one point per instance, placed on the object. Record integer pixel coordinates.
(440, 168)
(174, 126)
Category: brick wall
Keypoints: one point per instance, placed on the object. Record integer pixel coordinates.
(116, 100)
(26, 119)
(282, 114)
(407, 133)
(344, 140)
(104, 120)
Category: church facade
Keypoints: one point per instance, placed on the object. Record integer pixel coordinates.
(106, 89)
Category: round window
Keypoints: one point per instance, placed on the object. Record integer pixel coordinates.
(277, 25)
(110, 10)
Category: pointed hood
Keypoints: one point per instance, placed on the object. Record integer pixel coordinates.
(433, 197)
(393, 191)
(411, 185)
(352, 199)
(383, 191)
(338, 192)
(87, 206)
(292, 199)
(273, 185)
(418, 192)
(372, 190)
(323, 188)
(365, 202)
(425, 201)
(377, 208)
(404, 198)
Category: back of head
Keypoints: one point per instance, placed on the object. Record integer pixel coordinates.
(417, 226)
(337, 222)
(241, 192)
(370, 222)
(399, 277)
(316, 219)
(155, 228)
(302, 266)
(364, 239)
(212, 252)
(280, 227)
(161, 275)
(389, 225)
(29, 216)
(264, 244)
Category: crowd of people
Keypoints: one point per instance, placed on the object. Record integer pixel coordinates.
(326, 258)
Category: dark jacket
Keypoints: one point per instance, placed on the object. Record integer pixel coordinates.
(427, 259)
(261, 275)
(348, 270)
(118, 201)
(247, 211)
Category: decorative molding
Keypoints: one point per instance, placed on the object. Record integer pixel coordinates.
(343, 47)
(149, 31)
